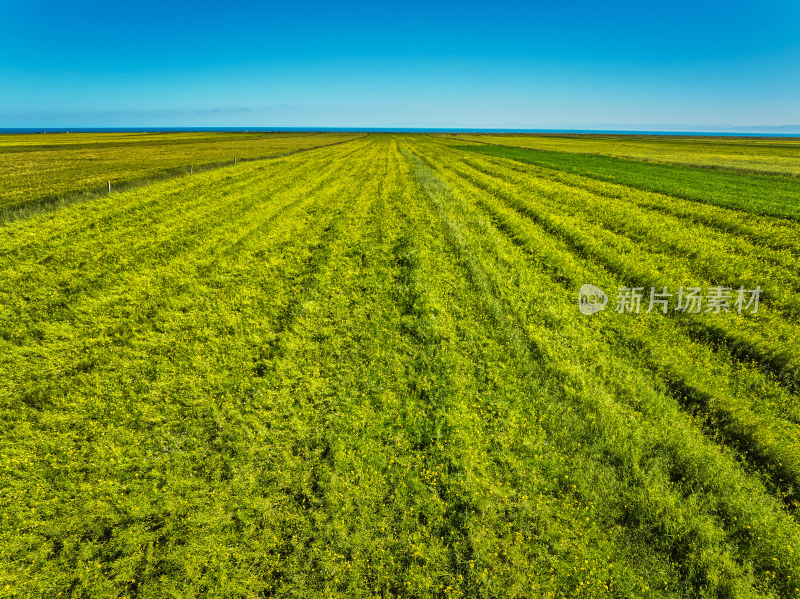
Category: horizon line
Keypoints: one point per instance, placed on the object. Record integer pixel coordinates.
(706, 131)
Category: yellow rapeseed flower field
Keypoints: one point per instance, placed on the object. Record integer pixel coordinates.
(360, 368)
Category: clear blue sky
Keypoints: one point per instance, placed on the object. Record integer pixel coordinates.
(413, 63)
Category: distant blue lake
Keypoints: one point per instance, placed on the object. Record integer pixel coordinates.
(387, 130)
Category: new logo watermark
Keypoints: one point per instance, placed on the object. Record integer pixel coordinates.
(591, 299)
(688, 300)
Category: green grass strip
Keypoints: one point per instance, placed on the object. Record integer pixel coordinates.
(758, 194)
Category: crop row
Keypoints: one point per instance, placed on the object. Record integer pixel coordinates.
(39, 175)
(131, 405)
(361, 371)
(751, 155)
(643, 248)
(628, 416)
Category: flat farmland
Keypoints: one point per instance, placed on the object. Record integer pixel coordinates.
(362, 369)
(41, 169)
(779, 155)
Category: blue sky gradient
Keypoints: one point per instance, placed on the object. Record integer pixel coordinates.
(571, 63)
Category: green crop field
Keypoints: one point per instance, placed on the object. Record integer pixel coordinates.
(757, 155)
(361, 369)
(36, 170)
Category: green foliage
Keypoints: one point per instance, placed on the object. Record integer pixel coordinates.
(360, 371)
(79, 164)
(758, 194)
(766, 155)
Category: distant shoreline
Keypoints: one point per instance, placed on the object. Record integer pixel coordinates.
(45, 130)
